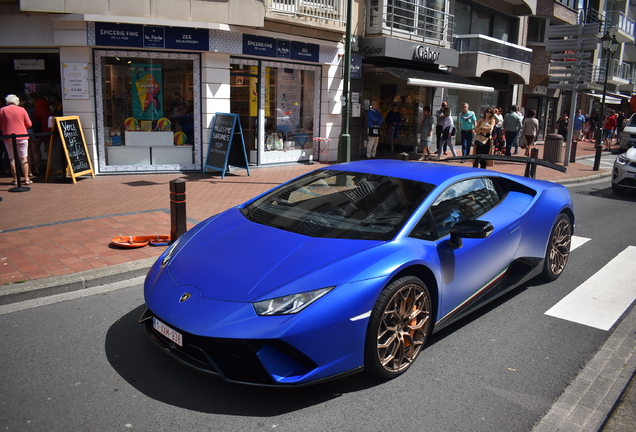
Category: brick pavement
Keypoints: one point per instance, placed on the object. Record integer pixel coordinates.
(64, 228)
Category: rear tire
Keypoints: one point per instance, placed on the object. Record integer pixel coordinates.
(399, 325)
(558, 251)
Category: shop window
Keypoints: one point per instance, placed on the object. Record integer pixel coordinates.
(148, 116)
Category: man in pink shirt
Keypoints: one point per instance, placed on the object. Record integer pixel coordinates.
(15, 120)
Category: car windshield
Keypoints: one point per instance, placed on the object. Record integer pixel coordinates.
(339, 204)
(632, 120)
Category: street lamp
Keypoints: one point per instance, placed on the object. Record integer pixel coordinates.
(610, 45)
(344, 141)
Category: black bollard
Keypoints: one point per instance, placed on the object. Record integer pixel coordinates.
(18, 168)
(599, 149)
(573, 151)
(177, 209)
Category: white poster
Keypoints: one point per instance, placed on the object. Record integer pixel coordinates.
(75, 80)
(288, 88)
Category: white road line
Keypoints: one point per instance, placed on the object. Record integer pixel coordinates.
(578, 241)
(601, 300)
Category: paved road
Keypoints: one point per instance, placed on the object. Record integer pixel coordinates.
(81, 362)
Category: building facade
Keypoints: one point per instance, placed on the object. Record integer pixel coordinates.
(146, 78)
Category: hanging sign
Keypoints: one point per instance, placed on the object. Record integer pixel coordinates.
(227, 146)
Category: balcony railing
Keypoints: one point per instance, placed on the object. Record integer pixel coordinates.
(617, 70)
(408, 19)
(621, 21)
(607, 22)
(477, 43)
(334, 11)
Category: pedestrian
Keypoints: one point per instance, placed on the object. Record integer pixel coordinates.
(608, 130)
(577, 125)
(511, 126)
(374, 120)
(393, 121)
(439, 114)
(562, 125)
(621, 120)
(40, 125)
(24, 103)
(426, 133)
(594, 121)
(448, 134)
(466, 120)
(530, 131)
(15, 120)
(483, 135)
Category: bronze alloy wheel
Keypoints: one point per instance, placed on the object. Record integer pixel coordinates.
(402, 318)
(560, 245)
(558, 248)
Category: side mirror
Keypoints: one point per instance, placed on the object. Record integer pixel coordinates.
(469, 229)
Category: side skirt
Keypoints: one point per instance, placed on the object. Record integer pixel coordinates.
(516, 274)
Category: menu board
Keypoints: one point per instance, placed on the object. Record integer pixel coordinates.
(227, 146)
(73, 145)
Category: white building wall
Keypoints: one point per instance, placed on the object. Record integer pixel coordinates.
(215, 83)
(84, 108)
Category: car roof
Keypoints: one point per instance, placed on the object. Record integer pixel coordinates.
(433, 173)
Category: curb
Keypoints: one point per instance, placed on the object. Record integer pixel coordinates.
(591, 398)
(37, 288)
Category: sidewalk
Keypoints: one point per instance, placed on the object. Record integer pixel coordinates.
(56, 237)
(60, 229)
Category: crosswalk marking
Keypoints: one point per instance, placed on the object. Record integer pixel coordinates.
(601, 300)
(578, 241)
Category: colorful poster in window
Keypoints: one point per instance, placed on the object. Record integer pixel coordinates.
(254, 92)
(147, 95)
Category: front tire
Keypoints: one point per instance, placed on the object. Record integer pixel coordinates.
(556, 256)
(398, 328)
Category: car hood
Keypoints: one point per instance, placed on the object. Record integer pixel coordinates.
(233, 259)
(631, 153)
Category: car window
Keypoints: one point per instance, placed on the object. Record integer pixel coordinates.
(632, 120)
(339, 204)
(465, 200)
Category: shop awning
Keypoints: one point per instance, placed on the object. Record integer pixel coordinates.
(427, 78)
(608, 99)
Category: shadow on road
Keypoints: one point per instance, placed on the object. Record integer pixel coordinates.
(142, 364)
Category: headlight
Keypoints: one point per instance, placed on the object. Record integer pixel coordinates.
(622, 160)
(290, 304)
(170, 252)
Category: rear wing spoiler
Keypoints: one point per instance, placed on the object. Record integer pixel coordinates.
(531, 162)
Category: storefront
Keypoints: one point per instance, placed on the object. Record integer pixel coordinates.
(408, 74)
(154, 107)
(278, 105)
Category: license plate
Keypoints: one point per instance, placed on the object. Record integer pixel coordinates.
(168, 332)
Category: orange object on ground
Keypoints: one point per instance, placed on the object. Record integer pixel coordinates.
(141, 241)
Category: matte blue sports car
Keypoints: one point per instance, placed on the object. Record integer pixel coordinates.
(350, 267)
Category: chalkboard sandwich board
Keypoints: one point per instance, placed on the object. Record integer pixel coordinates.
(227, 146)
(68, 134)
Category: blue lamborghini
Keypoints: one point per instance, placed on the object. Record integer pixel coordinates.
(349, 268)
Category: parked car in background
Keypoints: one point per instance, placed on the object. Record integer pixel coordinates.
(624, 171)
(628, 137)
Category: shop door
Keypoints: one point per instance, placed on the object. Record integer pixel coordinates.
(244, 84)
